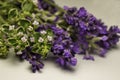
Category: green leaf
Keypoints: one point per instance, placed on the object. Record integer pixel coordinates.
(95, 39)
(6, 27)
(2, 20)
(20, 29)
(37, 35)
(1, 43)
(24, 23)
(12, 42)
(3, 51)
(44, 51)
(27, 5)
(93, 45)
(35, 48)
(13, 13)
(50, 32)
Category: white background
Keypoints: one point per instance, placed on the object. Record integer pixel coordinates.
(101, 69)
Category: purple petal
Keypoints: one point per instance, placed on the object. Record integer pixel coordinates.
(73, 61)
(88, 57)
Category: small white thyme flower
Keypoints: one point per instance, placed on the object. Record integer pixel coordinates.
(43, 32)
(24, 39)
(40, 39)
(20, 33)
(30, 28)
(35, 23)
(11, 27)
(19, 52)
(68, 29)
(34, 1)
(32, 39)
(33, 15)
(49, 38)
(17, 47)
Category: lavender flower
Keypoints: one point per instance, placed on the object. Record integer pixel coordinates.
(42, 4)
(90, 33)
(112, 38)
(33, 58)
(62, 47)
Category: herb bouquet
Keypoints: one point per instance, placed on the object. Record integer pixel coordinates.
(37, 29)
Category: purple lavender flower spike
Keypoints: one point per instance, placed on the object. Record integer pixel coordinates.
(33, 58)
(82, 25)
(66, 8)
(73, 61)
(70, 10)
(67, 54)
(81, 12)
(61, 61)
(46, 6)
(86, 27)
(114, 30)
(76, 48)
(57, 49)
(103, 52)
(88, 57)
(62, 47)
(104, 38)
(36, 66)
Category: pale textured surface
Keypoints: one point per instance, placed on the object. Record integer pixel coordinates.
(101, 69)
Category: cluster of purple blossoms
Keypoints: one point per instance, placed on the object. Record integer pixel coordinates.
(33, 58)
(63, 47)
(111, 38)
(90, 33)
(42, 4)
